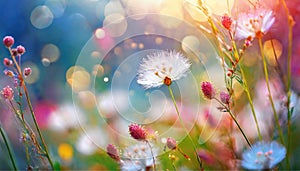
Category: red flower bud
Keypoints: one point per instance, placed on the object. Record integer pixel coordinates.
(8, 41)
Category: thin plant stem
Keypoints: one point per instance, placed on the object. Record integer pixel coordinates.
(266, 73)
(182, 124)
(154, 165)
(9, 149)
(291, 23)
(247, 90)
(235, 121)
(31, 109)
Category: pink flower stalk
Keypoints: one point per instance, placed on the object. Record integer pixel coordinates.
(112, 151)
(254, 25)
(171, 143)
(208, 90)
(8, 41)
(225, 97)
(27, 71)
(226, 21)
(137, 132)
(21, 50)
(7, 93)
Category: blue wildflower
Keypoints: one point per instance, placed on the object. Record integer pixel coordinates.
(263, 155)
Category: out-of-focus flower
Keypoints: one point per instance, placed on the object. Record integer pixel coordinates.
(7, 93)
(171, 143)
(140, 155)
(8, 41)
(208, 90)
(137, 132)
(254, 25)
(263, 155)
(21, 50)
(91, 140)
(66, 117)
(162, 67)
(129, 165)
(206, 156)
(112, 151)
(225, 97)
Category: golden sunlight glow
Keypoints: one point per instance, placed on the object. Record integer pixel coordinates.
(269, 51)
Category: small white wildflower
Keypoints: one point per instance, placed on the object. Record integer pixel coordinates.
(162, 67)
(254, 25)
(139, 155)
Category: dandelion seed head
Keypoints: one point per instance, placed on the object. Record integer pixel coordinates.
(162, 67)
(263, 155)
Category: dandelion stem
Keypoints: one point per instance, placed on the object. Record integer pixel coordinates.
(182, 124)
(9, 149)
(30, 107)
(236, 122)
(269, 91)
(154, 165)
(291, 23)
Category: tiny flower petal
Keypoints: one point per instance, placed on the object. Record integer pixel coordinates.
(137, 132)
(8, 41)
(162, 67)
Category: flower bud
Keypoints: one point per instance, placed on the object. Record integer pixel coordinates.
(27, 71)
(171, 143)
(225, 98)
(226, 21)
(8, 41)
(21, 50)
(7, 93)
(112, 151)
(9, 73)
(7, 62)
(208, 90)
(137, 132)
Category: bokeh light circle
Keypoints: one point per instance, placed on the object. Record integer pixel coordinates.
(41, 17)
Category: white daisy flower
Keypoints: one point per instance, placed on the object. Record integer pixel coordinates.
(254, 25)
(162, 67)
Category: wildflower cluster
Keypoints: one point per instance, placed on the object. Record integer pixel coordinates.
(13, 97)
